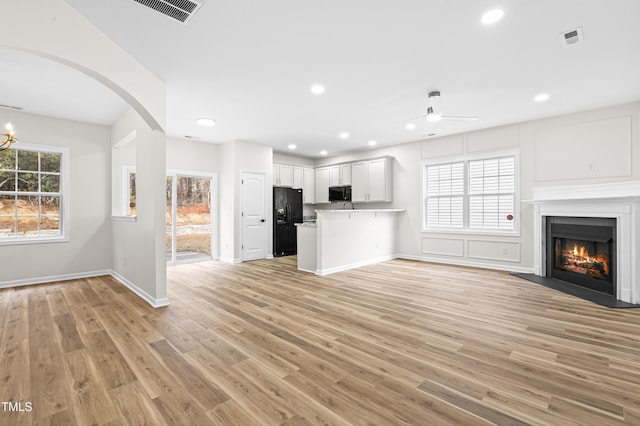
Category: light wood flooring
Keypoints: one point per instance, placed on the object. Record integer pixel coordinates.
(260, 343)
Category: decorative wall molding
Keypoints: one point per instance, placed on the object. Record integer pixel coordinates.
(461, 262)
(455, 246)
(587, 192)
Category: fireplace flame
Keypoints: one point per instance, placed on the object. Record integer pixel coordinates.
(581, 252)
(578, 259)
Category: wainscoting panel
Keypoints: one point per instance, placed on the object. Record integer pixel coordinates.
(443, 147)
(493, 250)
(502, 137)
(598, 149)
(443, 246)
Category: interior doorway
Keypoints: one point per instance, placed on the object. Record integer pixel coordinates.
(254, 217)
(190, 218)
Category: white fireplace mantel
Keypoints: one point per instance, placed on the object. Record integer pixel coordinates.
(620, 201)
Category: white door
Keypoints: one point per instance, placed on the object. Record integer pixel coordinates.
(254, 218)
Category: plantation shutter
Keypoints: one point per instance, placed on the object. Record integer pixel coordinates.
(492, 194)
(445, 196)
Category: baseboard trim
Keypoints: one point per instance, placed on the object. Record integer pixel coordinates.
(53, 278)
(457, 262)
(230, 260)
(328, 271)
(156, 303)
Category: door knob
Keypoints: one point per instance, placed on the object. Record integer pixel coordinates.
(262, 220)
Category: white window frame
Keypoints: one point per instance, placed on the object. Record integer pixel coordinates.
(487, 155)
(65, 203)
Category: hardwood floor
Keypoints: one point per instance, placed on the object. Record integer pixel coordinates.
(260, 343)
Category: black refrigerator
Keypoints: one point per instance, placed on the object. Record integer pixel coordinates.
(287, 211)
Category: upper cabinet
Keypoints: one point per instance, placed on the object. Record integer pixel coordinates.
(282, 175)
(323, 179)
(298, 177)
(371, 181)
(308, 185)
(340, 175)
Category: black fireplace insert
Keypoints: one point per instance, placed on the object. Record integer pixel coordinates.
(582, 251)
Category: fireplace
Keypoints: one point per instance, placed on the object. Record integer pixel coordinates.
(582, 251)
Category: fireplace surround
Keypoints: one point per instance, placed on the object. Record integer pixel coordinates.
(615, 202)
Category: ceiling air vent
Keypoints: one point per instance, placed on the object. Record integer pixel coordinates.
(15, 108)
(180, 10)
(572, 37)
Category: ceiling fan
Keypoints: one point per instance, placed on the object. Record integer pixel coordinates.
(434, 110)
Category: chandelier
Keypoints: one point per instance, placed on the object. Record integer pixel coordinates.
(9, 138)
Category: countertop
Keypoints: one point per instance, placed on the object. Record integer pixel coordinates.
(307, 224)
(360, 210)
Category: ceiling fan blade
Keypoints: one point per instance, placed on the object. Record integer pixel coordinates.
(455, 118)
(422, 117)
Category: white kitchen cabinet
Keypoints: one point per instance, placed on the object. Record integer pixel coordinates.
(379, 180)
(282, 175)
(334, 175)
(298, 177)
(308, 185)
(371, 181)
(339, 175)
(359, 182)
(323, 176)
(345, 174)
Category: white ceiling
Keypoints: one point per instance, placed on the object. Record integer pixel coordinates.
(249, 64)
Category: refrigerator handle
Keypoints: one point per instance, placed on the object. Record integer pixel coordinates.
(287, 212)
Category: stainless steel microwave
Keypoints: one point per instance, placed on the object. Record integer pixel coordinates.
(340, 193)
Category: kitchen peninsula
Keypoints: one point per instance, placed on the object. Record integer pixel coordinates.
(346, 239)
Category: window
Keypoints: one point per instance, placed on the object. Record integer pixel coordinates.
(473, 194)
(445, 195)
(129, 191)
(32, 196)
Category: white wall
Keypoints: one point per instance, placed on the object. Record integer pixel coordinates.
(139, 247)
(590, 147)
(228, 201)
(88, 250)
(280, 158)
(256, 158)
(53, 29)
(190, 155)
(237, 157)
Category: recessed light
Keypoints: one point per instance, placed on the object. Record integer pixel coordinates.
(372, 143)
(344, 135)
(323, 152)
(206, 122)
(410, 126)
(317, 89)
(492, 16)
(292, 146)
(541, 97)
